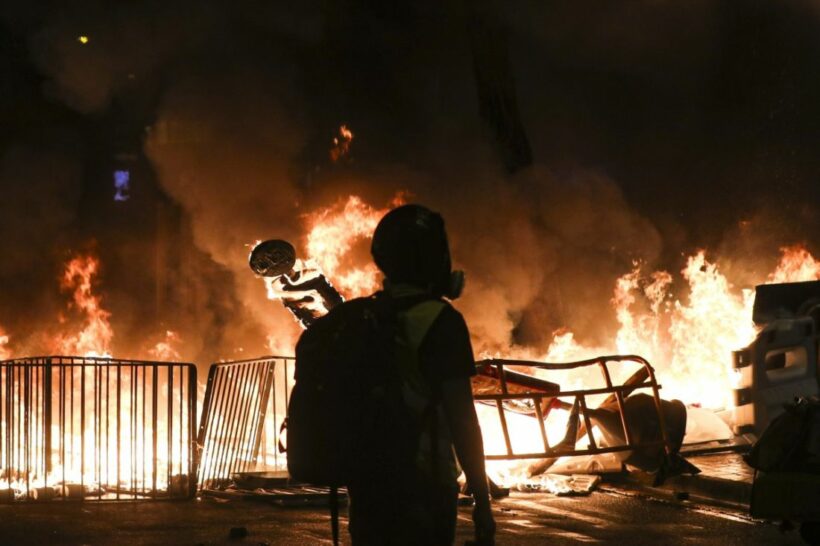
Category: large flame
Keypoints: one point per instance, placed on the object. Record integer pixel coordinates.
(332, 233)
(94, 339)
(689, 340)
(796, 265)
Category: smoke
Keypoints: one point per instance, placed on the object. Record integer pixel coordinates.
(647, 145)
(41, 189)
(222, 148)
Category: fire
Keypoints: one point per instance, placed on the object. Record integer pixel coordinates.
(796, 265)
(332, 233)
(689, 340)
(341, 143)
(704, 332)
(167, 349)
(5, 352)
(141, 448)
(95, 337)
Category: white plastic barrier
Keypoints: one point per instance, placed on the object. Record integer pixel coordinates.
(781, 364)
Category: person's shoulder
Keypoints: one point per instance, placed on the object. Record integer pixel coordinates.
(450, 319)
(447, 349)
(451, 312)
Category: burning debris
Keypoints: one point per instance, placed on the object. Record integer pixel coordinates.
(96, 428)
(640, 430)
(299, 285)
(524, 391)
(303, 285)
(624, 422)
(691, 339)
(558, 484)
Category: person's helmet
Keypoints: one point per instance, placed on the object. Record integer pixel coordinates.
(410, 246)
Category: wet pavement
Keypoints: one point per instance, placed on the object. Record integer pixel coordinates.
(726, 466)
(605, 517)
(725, 480)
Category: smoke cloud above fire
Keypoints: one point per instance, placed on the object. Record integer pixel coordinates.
(644, 151)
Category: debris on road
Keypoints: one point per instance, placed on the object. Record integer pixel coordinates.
(558, 484)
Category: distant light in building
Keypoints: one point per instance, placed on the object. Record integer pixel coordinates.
(122, 185)
(82, 39)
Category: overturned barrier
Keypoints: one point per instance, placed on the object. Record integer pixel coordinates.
(242, 414)
(96, 429)
(507, 389)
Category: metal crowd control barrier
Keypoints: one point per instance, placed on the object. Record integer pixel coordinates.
(644, 379)
(242, 413)
(96, 429)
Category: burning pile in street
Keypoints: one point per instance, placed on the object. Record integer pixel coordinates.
(688, 339)
(88, 425)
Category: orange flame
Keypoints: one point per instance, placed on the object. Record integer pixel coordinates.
(167, 348)
(341, 143)
(5, 352)
(796, 265)
(689, 340)
(95, 337)
(332, 233)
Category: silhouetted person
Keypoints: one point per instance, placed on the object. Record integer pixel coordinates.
(419, 506)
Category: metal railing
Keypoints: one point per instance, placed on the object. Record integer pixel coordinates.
(540, 400)
(245, 405)
(96, 429)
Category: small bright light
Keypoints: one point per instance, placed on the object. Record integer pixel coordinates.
(82, 39)
(122, 185)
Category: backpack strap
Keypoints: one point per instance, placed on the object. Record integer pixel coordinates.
(417, 319)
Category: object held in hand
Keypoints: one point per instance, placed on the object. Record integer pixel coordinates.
(299, 284)
(272, 258)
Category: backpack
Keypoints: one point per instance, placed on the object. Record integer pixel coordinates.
(347, 414)
(791, 442)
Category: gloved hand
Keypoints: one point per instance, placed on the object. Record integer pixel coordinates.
(484, 523)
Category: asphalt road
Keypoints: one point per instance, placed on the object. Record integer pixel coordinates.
(524, 519)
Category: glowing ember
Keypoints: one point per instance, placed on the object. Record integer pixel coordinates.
(332, 233)
(341, 143)
(95, 337)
